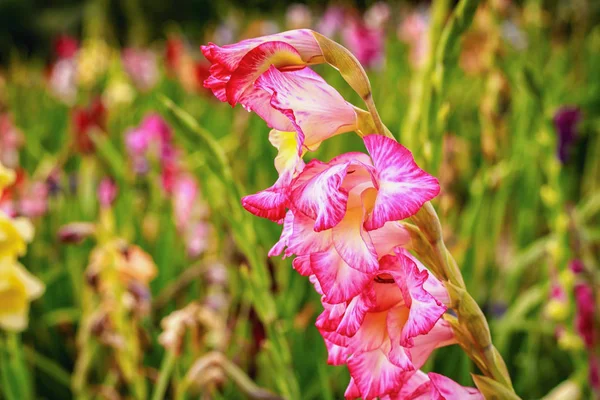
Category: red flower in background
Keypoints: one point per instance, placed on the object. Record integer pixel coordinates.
(65, 46)
(85, 121)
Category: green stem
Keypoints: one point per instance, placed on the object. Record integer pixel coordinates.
(166, 368)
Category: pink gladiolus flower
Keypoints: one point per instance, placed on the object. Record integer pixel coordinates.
(235, 67)
(107, 192)
(152, 136)
(34, 200)
(11, 140)
(332, 21)
(141, 66)
(367, 44)
(389, 329)
(413, 31)
(584, 320)
(432, 386)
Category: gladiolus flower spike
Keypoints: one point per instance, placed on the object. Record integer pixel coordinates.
(342, 219)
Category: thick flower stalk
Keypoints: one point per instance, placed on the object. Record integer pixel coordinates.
(345, 223)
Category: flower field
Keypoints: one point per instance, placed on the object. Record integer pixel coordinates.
(378, 201)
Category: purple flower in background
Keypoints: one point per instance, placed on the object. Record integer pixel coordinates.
(107, 192)
(565, 122)
(141, 66)
(584, 320)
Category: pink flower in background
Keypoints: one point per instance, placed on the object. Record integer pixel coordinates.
(584, 320)
(34, 200)
(141, 66)
(152, 138)
(432, 386)
(235, 67)
(332, 21)
(366, 43)
(62, 80)
(378, 15)
(185, 196)
(107, 192)
(190, 212)
(413, 31)
(25, 197)
(298, 16)
(11, 140)
(389, 329)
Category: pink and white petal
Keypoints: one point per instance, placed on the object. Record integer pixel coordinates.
(313, 279)
(321, 197)
(444, 388)
(258, 101)
(256, 62)
(432, 285)
(425, 310)
(304, 240)
(270, 203)
(331, 316)
(310, 102)
(352, 391)
(353, 243)
(355, 312)
(441, 335)
(374, 374)
(399, 355)
(217, 81)
(302, 265)
(230, 55)
(403, 186)
(338, 280)
(388, 237)
(415, 387)
(286, 233)
(336, 355)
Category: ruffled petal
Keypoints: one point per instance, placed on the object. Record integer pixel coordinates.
(230, 55)
(256, 62)
(338, 280)
(425, 310)
(373, 374)
(286, 233)
(402, 186)
(270, 203)
(439, 336)
(320, 196)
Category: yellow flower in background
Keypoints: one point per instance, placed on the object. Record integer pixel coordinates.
(18, 288)
(93, 60)
(131, 262)
(15, 233)
(118, 93)
(7, 177)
